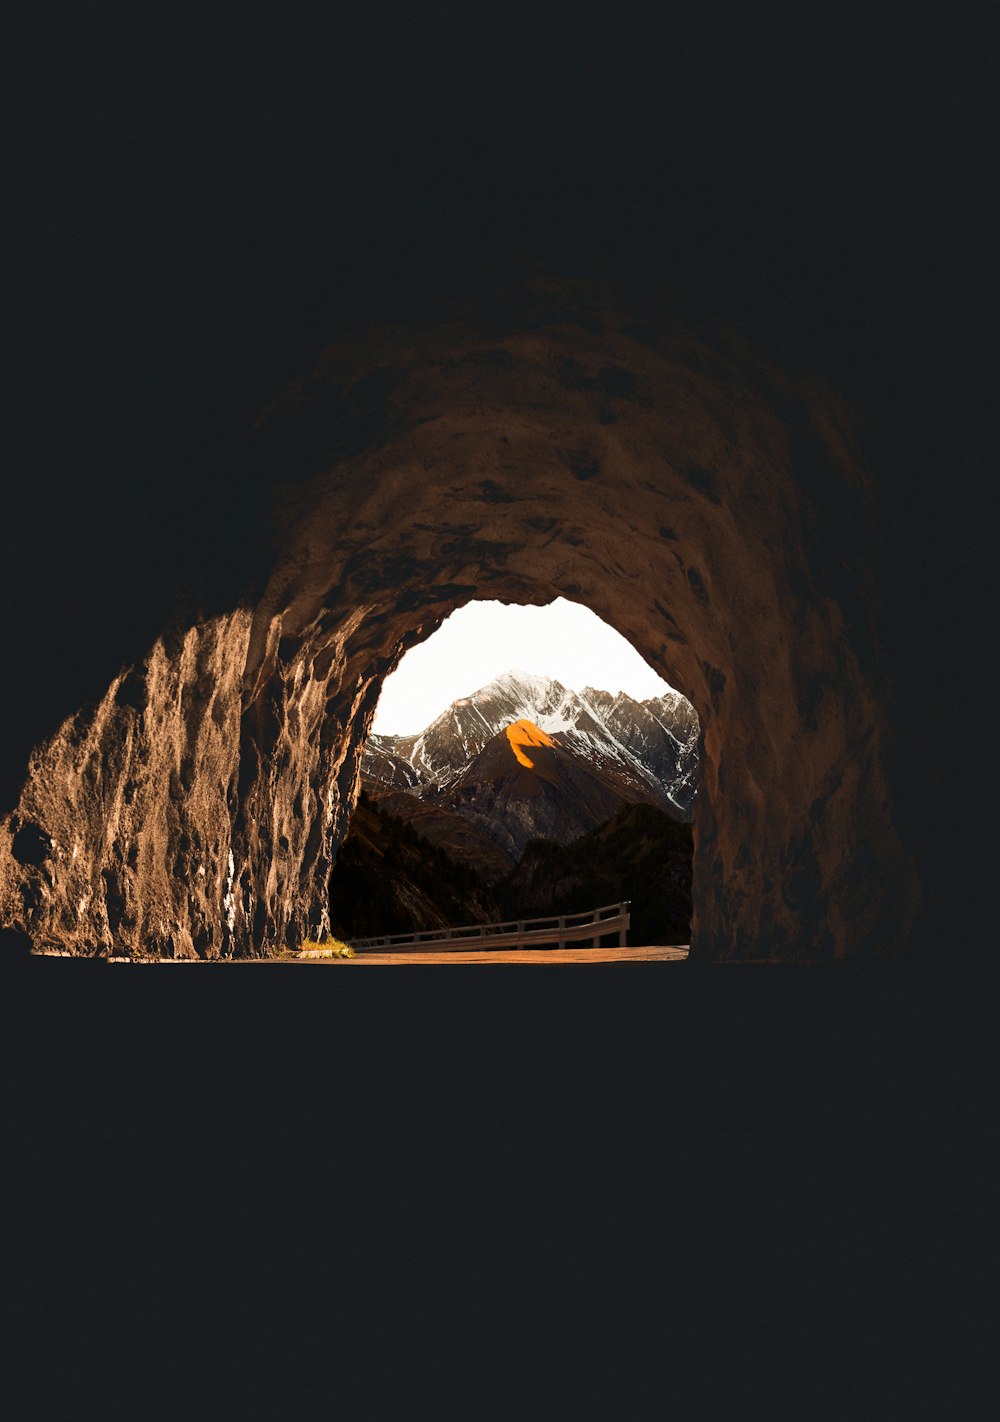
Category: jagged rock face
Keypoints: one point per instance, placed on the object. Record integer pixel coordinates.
(175, 819)
(659, 737)
(705, 505)
(648, 745)
(383, 770)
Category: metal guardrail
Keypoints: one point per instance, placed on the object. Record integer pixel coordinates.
(556, 931)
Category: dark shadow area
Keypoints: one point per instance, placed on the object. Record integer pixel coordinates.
(389, 878)
(640, 855)
(186, 243)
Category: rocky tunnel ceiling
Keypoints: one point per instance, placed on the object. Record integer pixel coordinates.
(706, 505)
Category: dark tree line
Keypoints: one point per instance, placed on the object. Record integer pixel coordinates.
(390, 879)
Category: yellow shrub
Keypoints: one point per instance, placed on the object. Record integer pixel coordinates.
(329, 948)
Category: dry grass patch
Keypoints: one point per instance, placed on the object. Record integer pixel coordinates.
(329, 948)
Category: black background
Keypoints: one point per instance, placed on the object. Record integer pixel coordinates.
(197, 201)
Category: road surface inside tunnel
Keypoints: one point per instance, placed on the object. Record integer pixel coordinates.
(516, 957)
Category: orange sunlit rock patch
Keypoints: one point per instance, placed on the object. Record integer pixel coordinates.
(526, 733)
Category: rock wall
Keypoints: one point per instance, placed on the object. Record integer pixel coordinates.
(706, 505)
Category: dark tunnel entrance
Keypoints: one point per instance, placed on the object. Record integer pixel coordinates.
(524, 763)
(675, 485)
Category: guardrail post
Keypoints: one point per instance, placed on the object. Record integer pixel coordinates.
(552, 929)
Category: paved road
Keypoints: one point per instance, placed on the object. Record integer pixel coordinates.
(516, 956)
(550, 956)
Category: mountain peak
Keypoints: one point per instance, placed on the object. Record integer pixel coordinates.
(650, 747)
(532, 682)
(525, 733)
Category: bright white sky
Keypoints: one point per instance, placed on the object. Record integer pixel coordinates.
(483, 639)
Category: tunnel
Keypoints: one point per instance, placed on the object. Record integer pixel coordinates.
(712, 508)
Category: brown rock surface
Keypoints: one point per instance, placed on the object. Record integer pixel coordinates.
(704, 504)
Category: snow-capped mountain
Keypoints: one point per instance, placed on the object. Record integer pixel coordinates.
(649, 747)
(384, 770)
(525, 785)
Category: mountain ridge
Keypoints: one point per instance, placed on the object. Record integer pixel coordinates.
(524, 785)
(651, 746)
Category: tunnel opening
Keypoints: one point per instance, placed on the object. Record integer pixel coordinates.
(669, 479)
(522, 762)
